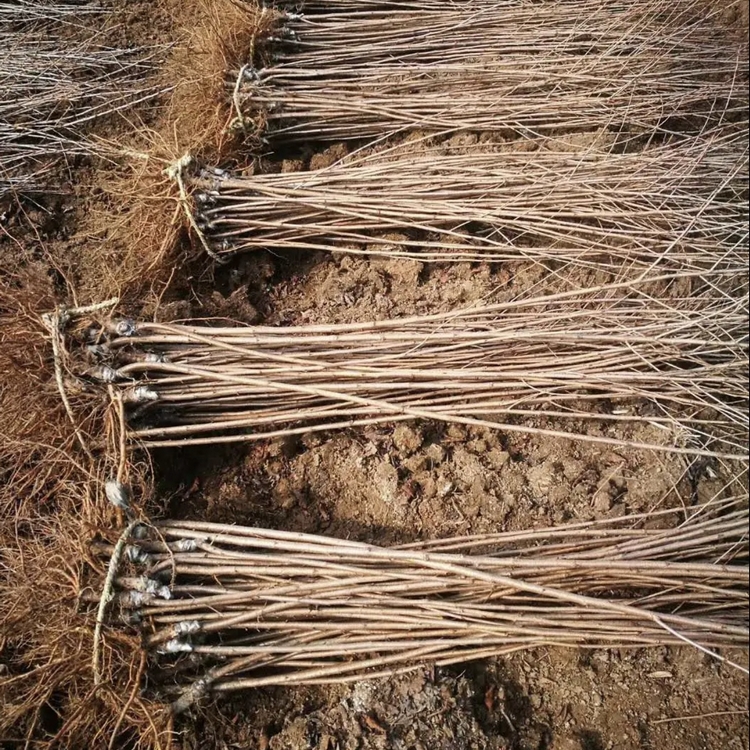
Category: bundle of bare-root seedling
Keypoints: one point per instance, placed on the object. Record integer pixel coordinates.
(57, 80)
(227, 608)
(354, 70)
(682, 205)
(44, 11)
(668, 355)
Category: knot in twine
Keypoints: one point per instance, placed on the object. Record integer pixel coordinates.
(176, 173)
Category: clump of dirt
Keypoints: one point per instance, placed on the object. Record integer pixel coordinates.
(544, 699)
(412, 712)
(421, 710)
